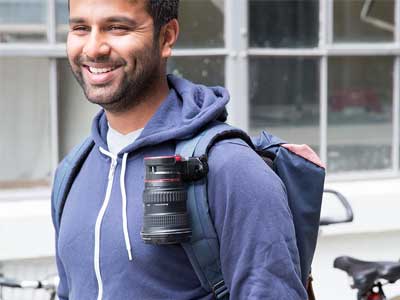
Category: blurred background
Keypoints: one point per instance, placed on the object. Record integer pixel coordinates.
(321, 72)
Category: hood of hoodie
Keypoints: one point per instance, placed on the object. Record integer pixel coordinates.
(187, 108)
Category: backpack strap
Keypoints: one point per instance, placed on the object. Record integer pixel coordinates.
(203, 249)
(64, 178)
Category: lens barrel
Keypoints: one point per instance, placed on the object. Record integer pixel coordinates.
(165, 219)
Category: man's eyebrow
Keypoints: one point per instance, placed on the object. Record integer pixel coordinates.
(121, 19)
(76, 20)
(113, 19)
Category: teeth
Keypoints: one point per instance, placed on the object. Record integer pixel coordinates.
(99, 71)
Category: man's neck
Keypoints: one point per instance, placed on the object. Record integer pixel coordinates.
(138, 116)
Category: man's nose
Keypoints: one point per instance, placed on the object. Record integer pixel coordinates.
(96, 45)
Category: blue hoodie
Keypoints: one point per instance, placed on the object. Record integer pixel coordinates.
(100, 254)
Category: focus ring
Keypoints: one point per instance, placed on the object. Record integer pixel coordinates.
(166, 220)
(150, 197)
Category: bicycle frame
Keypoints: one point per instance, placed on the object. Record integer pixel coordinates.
(375, 293)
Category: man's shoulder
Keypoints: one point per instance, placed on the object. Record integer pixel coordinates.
(236, 160)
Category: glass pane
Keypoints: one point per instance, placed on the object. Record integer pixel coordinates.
(284, 98)
(360, 113)
(289, 23)
(75, 111)
(202, 24)
(209, 70)
(62, 20)
(25, 115)
(23, 21)
(363, 21)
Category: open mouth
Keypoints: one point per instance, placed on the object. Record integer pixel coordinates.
(100, 75)
(100, 70)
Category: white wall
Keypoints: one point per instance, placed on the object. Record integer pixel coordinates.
(26, 229)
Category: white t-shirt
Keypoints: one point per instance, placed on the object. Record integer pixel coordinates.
(117, 141)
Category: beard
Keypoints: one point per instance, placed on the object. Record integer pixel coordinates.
(132, 88)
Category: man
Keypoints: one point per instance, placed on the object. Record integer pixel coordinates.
(118, 52)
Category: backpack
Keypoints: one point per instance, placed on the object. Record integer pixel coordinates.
(302, 177)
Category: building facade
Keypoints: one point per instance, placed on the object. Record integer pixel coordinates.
(321, 72)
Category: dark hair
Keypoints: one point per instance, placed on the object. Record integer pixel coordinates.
(162, 11)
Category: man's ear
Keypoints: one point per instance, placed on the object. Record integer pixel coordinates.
(168, 35)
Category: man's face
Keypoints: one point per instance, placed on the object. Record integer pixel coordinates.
(112, 51)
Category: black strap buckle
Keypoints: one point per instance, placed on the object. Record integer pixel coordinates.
(220, 290)
(195, 168)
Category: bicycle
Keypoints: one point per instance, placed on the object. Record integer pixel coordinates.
(367, 277)
(48, 284)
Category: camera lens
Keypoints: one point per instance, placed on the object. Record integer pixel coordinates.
(165, 219)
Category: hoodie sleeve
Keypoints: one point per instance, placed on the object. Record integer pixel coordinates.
(248, 204)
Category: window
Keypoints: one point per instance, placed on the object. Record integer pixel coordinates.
(360, 113)
(202, 24)
(363, 21)
(284, 96)
(281, 24)
(209, 69)
(322, 72)
(25, 131)
(62, 20)
(23, 21)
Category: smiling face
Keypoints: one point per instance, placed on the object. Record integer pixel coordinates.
(113, 53)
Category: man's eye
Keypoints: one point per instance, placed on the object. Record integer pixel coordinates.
(118, 28)
(80, 28)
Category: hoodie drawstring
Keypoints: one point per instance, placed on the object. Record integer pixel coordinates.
(123, 196)
(124, 213)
